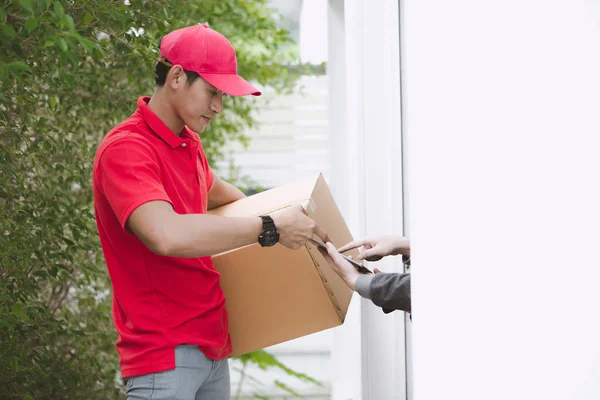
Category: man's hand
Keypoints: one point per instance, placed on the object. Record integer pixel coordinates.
(375, 248)
(295, 227)
(343, 268)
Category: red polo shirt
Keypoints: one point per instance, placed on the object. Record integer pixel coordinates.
(158, 302)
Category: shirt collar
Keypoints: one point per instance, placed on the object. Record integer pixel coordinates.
(159, 127)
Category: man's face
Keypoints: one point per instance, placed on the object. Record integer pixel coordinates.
(196, 104)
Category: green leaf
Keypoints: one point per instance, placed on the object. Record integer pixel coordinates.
(17, 308)
(73, 58)
(87, 44)
(88, 18)
(288, 389)
(49, 43)
(19, 65)
(70, 23)
(59, 9)
(2, 15)
(28, 5)
(52, 101)
(31, 24)
(9, 31)
(62, 43)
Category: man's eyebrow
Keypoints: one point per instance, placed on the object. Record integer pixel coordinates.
(211, 87)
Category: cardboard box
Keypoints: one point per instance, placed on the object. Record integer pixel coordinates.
(275, 294)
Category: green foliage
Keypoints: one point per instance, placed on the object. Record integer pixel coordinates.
(264, 361)
(69, 71)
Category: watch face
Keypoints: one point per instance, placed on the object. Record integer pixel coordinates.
(269, 238)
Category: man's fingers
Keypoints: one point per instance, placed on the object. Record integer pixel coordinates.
(321, 234)
(377, 271)
(352, 245)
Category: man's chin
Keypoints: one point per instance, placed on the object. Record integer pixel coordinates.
(198, 128)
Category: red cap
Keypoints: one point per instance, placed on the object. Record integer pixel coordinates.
(205, 51)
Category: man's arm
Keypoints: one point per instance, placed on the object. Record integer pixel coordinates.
(222, 193)
(388, 291)
(167, 233)
(128, 175)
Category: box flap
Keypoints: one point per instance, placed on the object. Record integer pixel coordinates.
(297, 192)
(322, 208)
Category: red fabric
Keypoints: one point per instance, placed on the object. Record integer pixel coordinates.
(208, 53)
(158, 302)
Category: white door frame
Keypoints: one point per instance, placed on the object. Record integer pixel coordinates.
(369, 350)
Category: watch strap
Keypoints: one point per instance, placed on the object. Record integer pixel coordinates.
(268, 223)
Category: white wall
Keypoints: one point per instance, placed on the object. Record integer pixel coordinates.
(502, 111)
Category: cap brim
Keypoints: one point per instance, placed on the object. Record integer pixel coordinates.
(231, 84)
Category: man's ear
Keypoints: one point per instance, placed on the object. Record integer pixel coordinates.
(176, 77)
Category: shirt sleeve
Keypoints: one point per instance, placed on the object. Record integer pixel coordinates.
(388, 291)
(363, 285)
(129, 176)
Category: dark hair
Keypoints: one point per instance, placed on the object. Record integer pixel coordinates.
(162, 69)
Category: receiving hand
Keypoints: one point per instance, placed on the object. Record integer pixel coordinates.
(375, 248)
(343, 268)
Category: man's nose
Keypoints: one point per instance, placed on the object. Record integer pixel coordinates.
(217, 105)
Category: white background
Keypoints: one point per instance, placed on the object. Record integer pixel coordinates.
(502, 115)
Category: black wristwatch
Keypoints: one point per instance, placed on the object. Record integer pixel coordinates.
(269, 236)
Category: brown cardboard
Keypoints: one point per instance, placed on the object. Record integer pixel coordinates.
(276, 294)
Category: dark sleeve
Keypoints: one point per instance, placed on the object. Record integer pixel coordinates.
(388, 291)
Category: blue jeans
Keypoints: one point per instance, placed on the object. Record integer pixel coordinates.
(195, 377)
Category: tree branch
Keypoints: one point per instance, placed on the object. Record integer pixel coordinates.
(15, 17)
